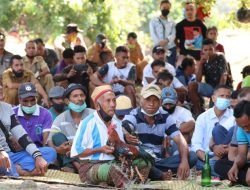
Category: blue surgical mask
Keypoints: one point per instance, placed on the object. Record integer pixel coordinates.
(29, 110)
(150, 115)
(77, 108)
(222, 103)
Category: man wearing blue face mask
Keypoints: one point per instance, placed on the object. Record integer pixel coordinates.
(66, 124)
(35, 119)
(215, 123)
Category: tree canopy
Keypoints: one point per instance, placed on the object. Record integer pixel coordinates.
(115, 18)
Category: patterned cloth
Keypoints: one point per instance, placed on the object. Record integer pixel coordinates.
(112, 172)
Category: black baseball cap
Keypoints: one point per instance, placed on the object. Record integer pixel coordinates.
(158, 49)
(27, 90)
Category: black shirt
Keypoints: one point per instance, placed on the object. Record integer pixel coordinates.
(190, 36)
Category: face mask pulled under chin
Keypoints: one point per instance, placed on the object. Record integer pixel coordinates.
(105, 117)
(150, 115)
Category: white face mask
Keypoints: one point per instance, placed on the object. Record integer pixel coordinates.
(150, 115)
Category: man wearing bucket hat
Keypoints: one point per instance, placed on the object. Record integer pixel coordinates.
(64, 127)
(151, 124)
(56, 99)
(90, 142)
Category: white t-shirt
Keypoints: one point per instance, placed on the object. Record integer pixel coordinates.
(147, 72)
(182, 115)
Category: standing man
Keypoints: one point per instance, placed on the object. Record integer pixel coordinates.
(190, 33)
(49, 55)
(15, 76)
(66, 124)
(162, 31)
(4, 55)
(37, 65)
(120, 74)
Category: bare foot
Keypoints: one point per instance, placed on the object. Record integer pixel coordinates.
(68, 169)
(167, 175)
(23, 172)
(76, 165)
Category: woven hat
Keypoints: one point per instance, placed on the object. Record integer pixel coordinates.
(99, 91)
(123, 105)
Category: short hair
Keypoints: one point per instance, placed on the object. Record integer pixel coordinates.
(68, 53)
(164, 75)
(18, 57)
(165, 1)
(222, 86)
(187, 62)
(123, 49)
(104, 55)
(212, 28)
(242, 108)
(30, 41)
(244, 92)
(157, 63)
(39, 40)
(132, 35)
(59, 77)
(208, 42)
(79, 49)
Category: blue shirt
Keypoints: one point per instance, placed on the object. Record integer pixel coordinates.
(185, 80)
(151, 136)
(243, 137)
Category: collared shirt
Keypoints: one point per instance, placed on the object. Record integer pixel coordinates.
(151, 136)
(5, 61)
(9, 78)
(162, 29)
(148, 72)
(36, 124)
(37, 64)
(93, 133)
(204, 127)
(64, 123)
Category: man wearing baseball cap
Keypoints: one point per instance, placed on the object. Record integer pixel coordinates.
(183, 117)
(151, 124)
(158, 53)
(56, 99)
(35, 119)
(65, 125)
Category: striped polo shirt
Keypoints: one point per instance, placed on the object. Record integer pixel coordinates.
(151, 136)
